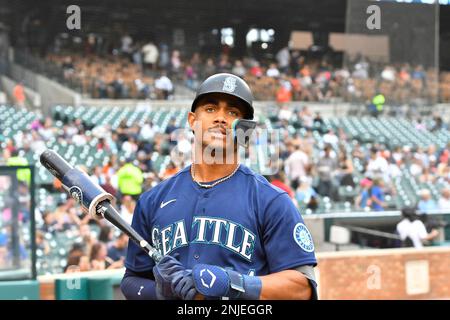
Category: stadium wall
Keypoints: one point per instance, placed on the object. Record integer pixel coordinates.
(33, 99)
(326, 109)
(392, 274)
(406, 273)
(52, 93)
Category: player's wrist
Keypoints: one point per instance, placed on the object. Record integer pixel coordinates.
(214, 281)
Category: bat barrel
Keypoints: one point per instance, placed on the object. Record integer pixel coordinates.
(54, 163)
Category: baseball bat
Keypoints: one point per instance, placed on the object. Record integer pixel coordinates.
(92, 197)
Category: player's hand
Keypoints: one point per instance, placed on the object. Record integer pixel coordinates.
(183, 285)
(165, 272)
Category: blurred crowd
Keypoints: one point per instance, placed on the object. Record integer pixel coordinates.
(144, 69)
(95, 244)
(311, 173)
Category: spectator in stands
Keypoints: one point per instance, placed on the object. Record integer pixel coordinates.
(48, 222)
(164, 57)
(23, 175)
(80, 139)
(283, 58)
(118, 250)
(296, 164)
(412, 231)
(127, 208)
(330, 138)
(41, 243)
(444, 200)
(377, 165)
(142, 88)
(73, 261)
(427, 176)
(438, 124)
(285, 113)
(209, 69)
(63, 215)
(345, 171)
(67, 64)
(19, 95)
(239, 69)
(171, 127)
(148, 130)
(419, 125)
(318, 121)
(99, 258)
(163, 86)
(363, 200)
(130, 179)
(175, 62)
(306, 118)
(326, 168)
(106, 234)
(224, 64)
(130, 146)
(377, 104)
(273, 71)
(182, 153)
(87, 238)
(278, 180)
(119, 87)
(376, 194)
(136, 54)
(426, 203)
(150, 52)
(388, 73)
(284, 92)
(169, 171)
(97, 176)
(3, 250)
(395, 167)
(305, 193)
(190, 77)
(126, 45)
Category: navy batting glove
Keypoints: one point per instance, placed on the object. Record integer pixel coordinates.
(168, 269)
(213, 281)
(183, 285)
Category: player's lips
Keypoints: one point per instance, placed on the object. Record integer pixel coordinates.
(218, 131)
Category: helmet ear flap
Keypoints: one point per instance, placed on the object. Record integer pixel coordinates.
(242, 130)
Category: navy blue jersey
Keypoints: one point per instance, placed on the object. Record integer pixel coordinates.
(244, 223)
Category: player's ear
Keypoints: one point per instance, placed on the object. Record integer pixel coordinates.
(191, 119)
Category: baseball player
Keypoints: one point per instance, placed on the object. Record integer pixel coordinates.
(225, 231)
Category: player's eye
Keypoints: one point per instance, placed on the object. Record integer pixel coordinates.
(210, 109)
(233, 113)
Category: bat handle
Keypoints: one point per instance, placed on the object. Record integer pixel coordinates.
(106, 210)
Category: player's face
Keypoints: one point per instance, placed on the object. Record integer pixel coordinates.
(214, 116)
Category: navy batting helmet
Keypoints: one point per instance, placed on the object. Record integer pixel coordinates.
(229, 84)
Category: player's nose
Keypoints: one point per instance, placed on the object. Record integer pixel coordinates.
(220, 116)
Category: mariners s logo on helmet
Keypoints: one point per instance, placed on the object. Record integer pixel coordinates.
(229, 84)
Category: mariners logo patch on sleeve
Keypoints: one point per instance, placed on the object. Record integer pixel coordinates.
(303, 237)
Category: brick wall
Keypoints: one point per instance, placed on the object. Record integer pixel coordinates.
(385, 274)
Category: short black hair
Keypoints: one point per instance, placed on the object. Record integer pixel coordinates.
(409, 213)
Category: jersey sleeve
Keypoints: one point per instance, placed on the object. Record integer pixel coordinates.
(137, 260)
(421, 230)
(287, 241)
